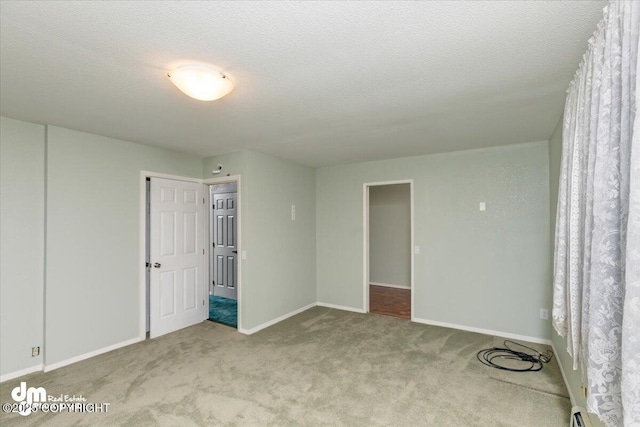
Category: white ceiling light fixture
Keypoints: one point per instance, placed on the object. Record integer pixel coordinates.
(201, 82)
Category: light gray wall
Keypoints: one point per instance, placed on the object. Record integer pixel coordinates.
(233, 164)
(482, 269)
(574, 378)
(22, 198)
(93, 231)
(278, 275)
(93, 192)
(390, 234)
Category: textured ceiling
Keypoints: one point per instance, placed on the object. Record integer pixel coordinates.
(320, 83)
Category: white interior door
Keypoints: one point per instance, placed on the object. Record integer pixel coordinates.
(177, 255)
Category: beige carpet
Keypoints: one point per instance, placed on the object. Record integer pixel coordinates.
(323, 367)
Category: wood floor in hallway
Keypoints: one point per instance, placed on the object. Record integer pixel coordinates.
(390, 301)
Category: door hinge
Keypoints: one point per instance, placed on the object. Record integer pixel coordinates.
(202, 302)
(203, 200)
(213, 281)
(202, 251)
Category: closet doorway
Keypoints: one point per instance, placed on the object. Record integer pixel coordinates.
(223, 263)
(389, 248)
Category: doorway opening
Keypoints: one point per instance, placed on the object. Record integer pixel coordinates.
(173, 247)
(174, 271)
(223, 259)
(388, 247)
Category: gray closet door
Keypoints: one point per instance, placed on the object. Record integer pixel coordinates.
(225, 249)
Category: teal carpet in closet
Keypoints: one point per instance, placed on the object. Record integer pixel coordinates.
(223, 310)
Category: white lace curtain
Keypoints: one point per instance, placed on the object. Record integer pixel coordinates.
(596, 299)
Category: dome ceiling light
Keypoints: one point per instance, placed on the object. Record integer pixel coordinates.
(201, 82)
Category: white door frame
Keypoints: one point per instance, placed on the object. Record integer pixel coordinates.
(142, 269)
(207, 183)
(365, 241)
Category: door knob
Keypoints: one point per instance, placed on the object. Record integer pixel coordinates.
(157, 264)
(235, 252)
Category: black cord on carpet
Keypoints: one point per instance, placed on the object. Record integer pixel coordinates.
(530, 362)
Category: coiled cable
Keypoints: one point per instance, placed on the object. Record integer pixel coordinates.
(531, 361)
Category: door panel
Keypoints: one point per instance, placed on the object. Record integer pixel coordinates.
(167, 233)
(225, 245)
(218, 230)
(231, 227)
(190, 288)
(231, 277)
(190, 233)
(190, 197)
(177, 260)
(167, 293)
(167, 194)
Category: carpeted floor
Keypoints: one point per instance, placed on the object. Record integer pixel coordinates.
(223, 310)
(323, 367)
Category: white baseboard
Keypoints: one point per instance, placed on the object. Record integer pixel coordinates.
(75, 359)
(484, 331)
(390, 285)
(564, 377)
(276, 320)
(16, 374)
(341, 307)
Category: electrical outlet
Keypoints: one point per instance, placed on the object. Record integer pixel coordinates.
(544, 314)
(35, 351)
(482, 206)
(293, 212)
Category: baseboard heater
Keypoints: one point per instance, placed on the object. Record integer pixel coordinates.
(579, 417)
